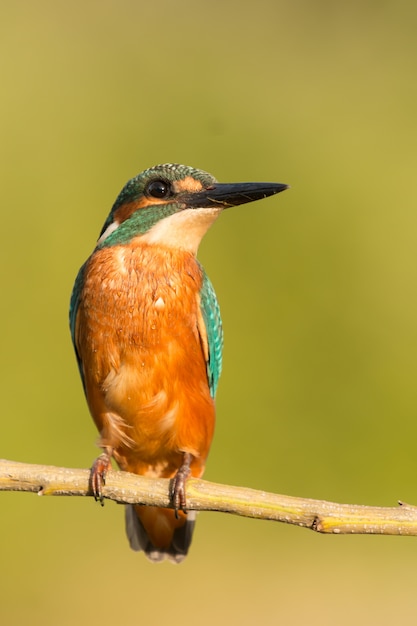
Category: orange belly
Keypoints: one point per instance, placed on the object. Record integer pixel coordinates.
(142, 343)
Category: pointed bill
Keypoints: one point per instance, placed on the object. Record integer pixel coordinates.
(227, 195)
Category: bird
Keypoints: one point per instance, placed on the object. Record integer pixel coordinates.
(147, 332)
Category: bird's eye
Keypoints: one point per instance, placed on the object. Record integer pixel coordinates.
(158, 189)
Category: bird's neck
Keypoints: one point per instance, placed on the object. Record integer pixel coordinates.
(182, 230)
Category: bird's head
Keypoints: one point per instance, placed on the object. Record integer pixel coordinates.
(175, 205)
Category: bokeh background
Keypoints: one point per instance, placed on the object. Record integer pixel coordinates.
(317, 288)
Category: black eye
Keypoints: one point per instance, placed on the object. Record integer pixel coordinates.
(159, 189)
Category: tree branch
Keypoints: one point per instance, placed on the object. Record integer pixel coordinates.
(318, 515)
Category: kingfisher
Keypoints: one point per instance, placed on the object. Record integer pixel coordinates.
(147, 333)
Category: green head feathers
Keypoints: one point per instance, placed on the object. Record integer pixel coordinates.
(146, 215)
(171, 172)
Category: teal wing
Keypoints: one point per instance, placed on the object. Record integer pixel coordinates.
(211, 315)
(74, 303)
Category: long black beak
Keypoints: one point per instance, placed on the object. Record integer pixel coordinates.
(227, 195)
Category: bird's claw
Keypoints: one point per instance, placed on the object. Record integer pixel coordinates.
(98, 476)
(178, 486)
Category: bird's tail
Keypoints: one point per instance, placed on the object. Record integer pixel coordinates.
(159, 533)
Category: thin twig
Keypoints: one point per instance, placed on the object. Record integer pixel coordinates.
(318, 515)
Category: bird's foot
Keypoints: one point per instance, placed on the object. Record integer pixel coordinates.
(178, 485)
(98, 476)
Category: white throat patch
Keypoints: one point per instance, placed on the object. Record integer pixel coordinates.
(183, 230)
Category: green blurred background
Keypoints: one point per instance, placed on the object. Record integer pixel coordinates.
(317, 288)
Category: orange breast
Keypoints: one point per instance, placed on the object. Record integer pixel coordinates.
(141, 339)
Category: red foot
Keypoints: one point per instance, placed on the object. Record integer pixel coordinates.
(178, 485)
(98, 476)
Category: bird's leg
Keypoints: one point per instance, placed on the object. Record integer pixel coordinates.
(178, 484)
(98, 474)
